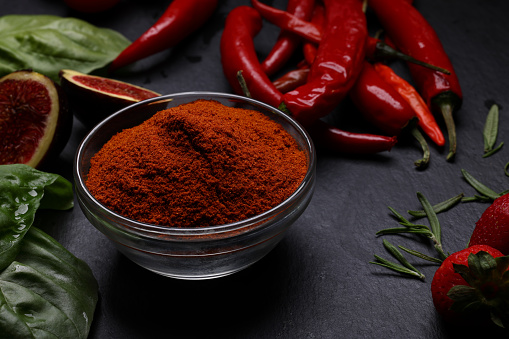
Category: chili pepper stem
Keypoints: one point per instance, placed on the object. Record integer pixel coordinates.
(421, 163)
(243, 84)
(385, 51)
(447, 110)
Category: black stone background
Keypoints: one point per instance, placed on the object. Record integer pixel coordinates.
(317, 282)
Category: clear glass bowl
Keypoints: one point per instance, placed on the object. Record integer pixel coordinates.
(191, 253)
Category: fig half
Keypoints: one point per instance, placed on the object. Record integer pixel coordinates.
(34, 121)
(93, 98)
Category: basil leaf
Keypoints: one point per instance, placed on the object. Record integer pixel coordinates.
(22, 191)
(46, 292)
(47, 44)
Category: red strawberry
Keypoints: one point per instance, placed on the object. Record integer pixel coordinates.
(472, 284)
(492, 229)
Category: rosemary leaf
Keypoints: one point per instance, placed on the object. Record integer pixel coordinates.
(398, 230)
(493, 151)
(440, 207)
(491, 128)
(479, 187)
(395, 267)
(477, 198)
(421, 255)
(397, 254)
(399, 216)
(432, 217)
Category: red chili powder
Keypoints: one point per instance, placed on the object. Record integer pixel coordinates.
(197, 164)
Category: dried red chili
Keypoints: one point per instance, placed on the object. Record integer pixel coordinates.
(287, 42)
(309, 48)
(312, 32)
(382, 105)
(292, 79)
(379, 102)
(337, 64)
(181, 18)
(413, 35)
(427, 121)
(328, 137)
(198, 164)
(238, 55)
(286, 19)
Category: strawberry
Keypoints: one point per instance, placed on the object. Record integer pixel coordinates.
(492, 229)
(473, 284)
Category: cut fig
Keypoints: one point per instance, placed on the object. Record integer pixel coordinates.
(93, 98)
(34, 120)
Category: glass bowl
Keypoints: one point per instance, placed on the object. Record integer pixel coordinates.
(191, 253)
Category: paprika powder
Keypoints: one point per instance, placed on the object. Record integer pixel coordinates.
(196, 165)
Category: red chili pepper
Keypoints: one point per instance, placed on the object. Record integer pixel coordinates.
(413, 35)
(238, 54)
(379, 102)
(181, 18)
(384, 107)
(284, 20)
(338, 63)
(310, 49)
(312, 31)
(291, 80)
(329, 137)
(287, 42)
(427, 121)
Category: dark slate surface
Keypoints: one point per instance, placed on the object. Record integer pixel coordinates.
(317, 282)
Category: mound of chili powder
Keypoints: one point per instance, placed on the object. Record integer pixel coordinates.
(198, 164)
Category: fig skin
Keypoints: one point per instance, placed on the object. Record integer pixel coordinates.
(91, 104)
(64, 122)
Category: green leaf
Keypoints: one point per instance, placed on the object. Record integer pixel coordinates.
(46, 292)
(477, 198)
(490, 130)
(409, 226)
(432, 217)
(47, 44)
(398, 230)
(404, 268)
(395, 267)
(22, 191)
(440, 207)
(480, 187)
(421, 255)
(397, 254)
(493, 151)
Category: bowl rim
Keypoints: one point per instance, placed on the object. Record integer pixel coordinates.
(155, 229)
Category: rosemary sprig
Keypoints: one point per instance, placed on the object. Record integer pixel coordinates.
(440, 207)
(404, 268)
(433, 232)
